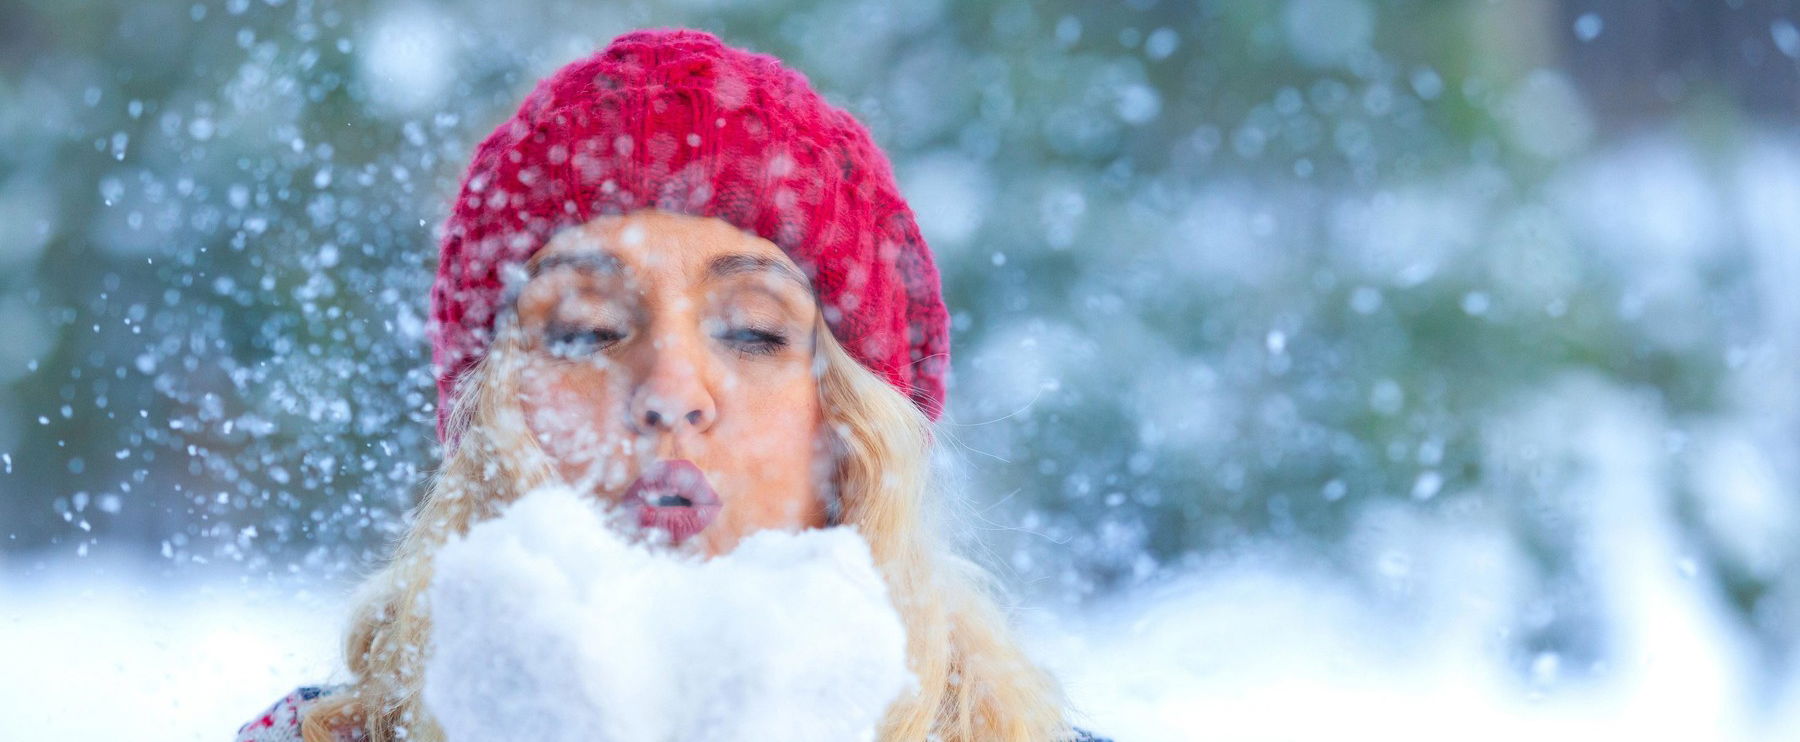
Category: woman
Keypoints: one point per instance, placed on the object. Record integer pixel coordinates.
(678, 279)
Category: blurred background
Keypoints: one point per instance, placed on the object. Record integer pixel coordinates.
(1423, 369)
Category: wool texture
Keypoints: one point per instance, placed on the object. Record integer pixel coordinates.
(674, 119)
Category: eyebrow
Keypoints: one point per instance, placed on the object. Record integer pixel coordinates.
(605, 263)
(587, 262)
(738, 264)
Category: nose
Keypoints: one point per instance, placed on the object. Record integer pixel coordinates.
(674, 393)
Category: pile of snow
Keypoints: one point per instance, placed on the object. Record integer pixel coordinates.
(547, 625)
(106, 647)
(1266, 649)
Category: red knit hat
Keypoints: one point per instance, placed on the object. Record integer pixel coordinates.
(676, 120)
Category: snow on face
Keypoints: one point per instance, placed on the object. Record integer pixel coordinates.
(548, 626)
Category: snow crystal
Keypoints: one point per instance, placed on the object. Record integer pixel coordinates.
(1787, 38)
(409, 62)
(1589, 26)
(549, 626)
(1427, 83)
(951, 195)
(1161, 43)
(1138, 103)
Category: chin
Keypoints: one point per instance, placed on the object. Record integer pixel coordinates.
(716, 541)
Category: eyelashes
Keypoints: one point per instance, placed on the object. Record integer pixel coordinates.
(754, 340)
(573, 341)
(577, 341)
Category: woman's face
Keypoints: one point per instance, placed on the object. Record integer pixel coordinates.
(669, 368)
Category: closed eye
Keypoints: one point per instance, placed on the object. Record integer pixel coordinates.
(569, 341)
(754, 341)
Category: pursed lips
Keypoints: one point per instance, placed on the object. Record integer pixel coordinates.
(674, 497)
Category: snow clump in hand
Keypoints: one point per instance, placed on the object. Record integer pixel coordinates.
(547, 625)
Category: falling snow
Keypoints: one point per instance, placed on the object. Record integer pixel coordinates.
(1431, 369)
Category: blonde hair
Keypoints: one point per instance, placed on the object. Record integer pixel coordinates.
(975, 683)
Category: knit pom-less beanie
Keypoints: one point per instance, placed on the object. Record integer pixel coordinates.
(678, 121)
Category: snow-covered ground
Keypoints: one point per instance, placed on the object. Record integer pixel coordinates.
(1244, 656)
(95, 649)
(1268, 651)
(103, 653)
(1257, 649)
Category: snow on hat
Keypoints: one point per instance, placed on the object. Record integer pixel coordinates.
(674, 119)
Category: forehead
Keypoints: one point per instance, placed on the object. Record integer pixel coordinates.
(657, 245)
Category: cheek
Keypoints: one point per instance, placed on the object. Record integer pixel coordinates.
(775, 447)
(567, 414)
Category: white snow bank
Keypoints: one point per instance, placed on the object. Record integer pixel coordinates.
(112, 649)
(1260, 649)
(548, 626)
(1267, 650)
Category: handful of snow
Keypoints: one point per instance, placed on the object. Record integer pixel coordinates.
(548, 626)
